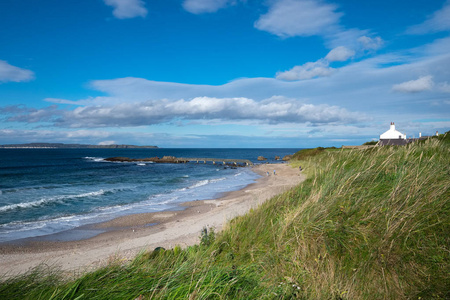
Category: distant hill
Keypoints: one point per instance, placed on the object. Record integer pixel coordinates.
(72, 146)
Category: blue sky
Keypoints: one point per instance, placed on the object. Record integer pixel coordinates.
(222, 73)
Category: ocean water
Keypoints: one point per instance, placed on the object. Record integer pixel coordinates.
(51, 192)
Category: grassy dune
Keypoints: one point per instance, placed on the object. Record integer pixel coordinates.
(366, 224)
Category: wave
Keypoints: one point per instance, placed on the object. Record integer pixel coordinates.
(199, 184)
(50, 200)
(97, 159)
(205, 182)
(217, 179)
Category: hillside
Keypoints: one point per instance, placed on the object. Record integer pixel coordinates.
(366, 224)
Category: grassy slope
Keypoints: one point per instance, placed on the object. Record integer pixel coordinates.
(369, 224)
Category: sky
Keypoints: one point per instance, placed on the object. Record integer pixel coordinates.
(222, 73)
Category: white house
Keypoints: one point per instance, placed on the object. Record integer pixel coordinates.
(392, 134)
(393, 137)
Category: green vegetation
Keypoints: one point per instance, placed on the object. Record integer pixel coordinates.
(306, 153)
(366, 224)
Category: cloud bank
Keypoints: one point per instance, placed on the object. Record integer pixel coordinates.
(340, 53)
(438, 21)
(288, 18)
(127, 9)
(308, 70)
(424, 83)
(14, 74)
(318, 68)
(205, 6)
(274, 110)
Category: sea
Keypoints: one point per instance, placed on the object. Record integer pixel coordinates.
(56, 194)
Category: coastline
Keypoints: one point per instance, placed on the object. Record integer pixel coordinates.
(124, 237)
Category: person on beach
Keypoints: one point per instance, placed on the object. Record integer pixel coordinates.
(300, 168)
(268, 173)
(274, 173)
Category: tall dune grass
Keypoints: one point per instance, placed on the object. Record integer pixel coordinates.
(366, 224)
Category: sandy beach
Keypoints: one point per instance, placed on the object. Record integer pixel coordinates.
(124, 237)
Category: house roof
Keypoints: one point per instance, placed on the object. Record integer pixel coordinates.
(394, 142)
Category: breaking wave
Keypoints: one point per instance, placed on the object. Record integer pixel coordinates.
(52, 199)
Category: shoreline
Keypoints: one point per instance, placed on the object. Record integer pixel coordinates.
(124, 237)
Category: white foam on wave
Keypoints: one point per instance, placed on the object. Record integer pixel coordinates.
(199, 184)
(97, 159)
(18, 230)
(217, 179)
(51, 199)
(152, 204)
(205, 182)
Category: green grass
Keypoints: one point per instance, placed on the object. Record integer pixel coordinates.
(306, 153)
(366, 224)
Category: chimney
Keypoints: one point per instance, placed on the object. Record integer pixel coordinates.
(420, 134)
(392, 126)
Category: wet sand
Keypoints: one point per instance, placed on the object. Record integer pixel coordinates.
(124, 237)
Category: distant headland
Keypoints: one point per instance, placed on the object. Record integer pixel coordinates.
(72, 146)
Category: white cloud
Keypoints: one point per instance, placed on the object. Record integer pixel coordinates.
(369, 43)
(287, 18)
(205, 6)
(31, 115)
(126, 9)
(439, 21)
(14, 74)
(61, 101)
(318, 68)
(273, 110)
(340, 53)
(424, 83)
(308, 70)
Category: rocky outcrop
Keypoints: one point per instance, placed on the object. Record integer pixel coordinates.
(165, 159)
(119, 159)
(287, 158)
(277, 157)
(168, 158)
(260, 158)
(179, 160)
